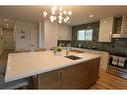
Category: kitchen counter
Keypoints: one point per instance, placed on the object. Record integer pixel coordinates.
(21, 65)
(96, 49)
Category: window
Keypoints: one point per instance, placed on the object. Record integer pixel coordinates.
(81, 35)
(86, 34)
(89, 34)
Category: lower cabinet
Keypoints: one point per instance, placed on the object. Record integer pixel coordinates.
(74, 77)
(93, 71)
(79, 76)
(104, 56)
(49, 80)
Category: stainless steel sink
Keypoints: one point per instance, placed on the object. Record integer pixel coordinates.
(73, 57)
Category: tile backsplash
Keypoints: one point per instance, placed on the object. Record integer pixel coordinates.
(117, 45)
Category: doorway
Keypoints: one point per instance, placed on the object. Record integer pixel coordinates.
(8, 39)
(33, 39)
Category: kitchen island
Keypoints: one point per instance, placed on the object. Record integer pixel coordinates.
(54, 71)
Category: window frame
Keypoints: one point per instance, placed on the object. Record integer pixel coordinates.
(78, 34)
(85, 35)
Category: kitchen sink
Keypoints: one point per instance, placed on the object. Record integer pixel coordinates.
(73, 57)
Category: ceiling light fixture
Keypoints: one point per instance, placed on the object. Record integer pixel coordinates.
(105, 21)
(44, 13)
(58, 14)
(60, 8)
(5, 19)
(91, 16)
(6, 24)
(69, 12)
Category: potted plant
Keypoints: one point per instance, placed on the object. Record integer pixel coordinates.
(56, 50)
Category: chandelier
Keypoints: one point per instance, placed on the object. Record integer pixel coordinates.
(58, 14)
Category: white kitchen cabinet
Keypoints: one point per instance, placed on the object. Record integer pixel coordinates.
(122, 32)
(105, 30)
(64, 32)
(104, 59)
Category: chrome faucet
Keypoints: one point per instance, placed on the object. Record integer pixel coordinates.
(68, 47)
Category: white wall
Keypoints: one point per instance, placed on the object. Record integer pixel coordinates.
(41, 35)
(64, 32)
(26, 27)
(50, 34)
(1, 41)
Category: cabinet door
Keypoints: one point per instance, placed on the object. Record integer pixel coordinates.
(74, 77)
(64, 32)
(106, 28)
(49, 80)
(93, 71)
(104, 60)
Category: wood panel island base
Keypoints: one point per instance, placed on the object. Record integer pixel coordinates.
(45, 70)
(78, 76)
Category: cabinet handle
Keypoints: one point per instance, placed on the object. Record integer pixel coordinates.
(57, 76)
(61, 75)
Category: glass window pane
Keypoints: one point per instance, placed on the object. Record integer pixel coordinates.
(81, 35)
(89, 34)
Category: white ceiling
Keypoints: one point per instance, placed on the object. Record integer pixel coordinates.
(80, 13)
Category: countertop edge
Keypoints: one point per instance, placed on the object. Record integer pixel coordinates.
(49, 69)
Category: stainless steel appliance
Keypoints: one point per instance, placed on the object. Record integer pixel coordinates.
(118, 65)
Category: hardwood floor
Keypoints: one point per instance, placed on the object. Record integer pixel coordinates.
(106, 80)
(3, 57)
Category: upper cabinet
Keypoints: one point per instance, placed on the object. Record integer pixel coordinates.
(106, 28)
(64, 32)
(120, 30)
(117, 25)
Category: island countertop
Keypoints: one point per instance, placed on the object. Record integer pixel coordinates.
(21, 65)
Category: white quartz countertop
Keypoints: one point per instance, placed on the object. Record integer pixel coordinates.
(21, 65)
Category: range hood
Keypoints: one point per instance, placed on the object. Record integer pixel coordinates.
(123, 32)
